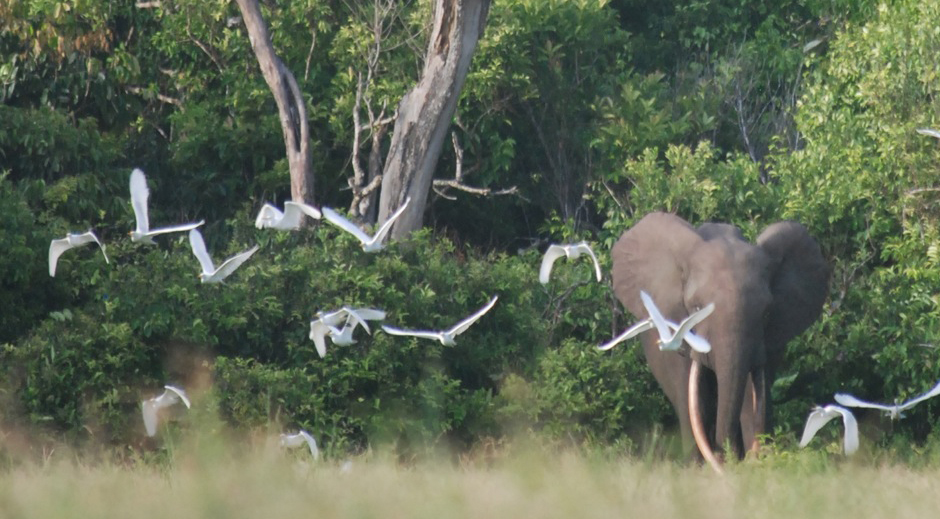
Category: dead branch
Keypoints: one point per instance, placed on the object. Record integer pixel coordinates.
(457, 182)
(160, 97)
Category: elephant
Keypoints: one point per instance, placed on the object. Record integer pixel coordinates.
(765, 294)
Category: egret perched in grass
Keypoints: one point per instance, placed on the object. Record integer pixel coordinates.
(447, 336)
(820, 416)
(289, 220)
(211, 274)
(139, 195)
(892, 411)
(57, 247)
(298, 440)
(572, 251)
(369, 243)
(152, 406)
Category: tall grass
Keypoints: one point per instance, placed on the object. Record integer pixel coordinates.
(206, 479)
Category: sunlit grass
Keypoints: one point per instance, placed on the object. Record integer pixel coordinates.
(263, 481)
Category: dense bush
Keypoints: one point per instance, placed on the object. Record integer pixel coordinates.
(150, 321)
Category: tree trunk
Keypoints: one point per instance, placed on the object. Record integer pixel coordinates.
(290, 102)
(425, 113)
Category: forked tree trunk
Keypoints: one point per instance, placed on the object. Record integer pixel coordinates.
(290, 102)
(426, 111)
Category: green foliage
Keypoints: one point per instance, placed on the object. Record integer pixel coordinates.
(45, 144)
(150, 321)
(864, 184)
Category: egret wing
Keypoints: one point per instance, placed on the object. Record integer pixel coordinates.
(354, 318)
(139, 196)
(292, 216)
(548, 261)
(584, 248)
(149, 410)
(816, 420)
(334, 318)
(929, 132)
(463, 325)
(176, 228)
(229, 266)
(685, 329)
(914, 401)
(179, 394)
(631, 332)
(850, 441)
(56, 248)
(849, 400)
(301, 208)
(90, 236)
(318, 331)
(425, 334)
(662, 326)
(199, 250)
(383, 230)
(334, 218)
(268, 214)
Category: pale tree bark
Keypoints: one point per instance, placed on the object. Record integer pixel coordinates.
(425, 112)
(291, 108)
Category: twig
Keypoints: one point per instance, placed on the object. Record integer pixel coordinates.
(160, 97)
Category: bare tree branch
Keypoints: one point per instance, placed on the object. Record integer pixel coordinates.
(160, 97)
(457, 182)
(291, 107)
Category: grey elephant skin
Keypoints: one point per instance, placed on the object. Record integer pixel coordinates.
(765, 294)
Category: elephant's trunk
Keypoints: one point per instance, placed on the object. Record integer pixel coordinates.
(695, 417)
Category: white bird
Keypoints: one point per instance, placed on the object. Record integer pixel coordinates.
(369, 243)
(892, 411)
(571, 252)
(699, 344)
(288, 220)
(152, 406)
(211, 274)
(820, 416)
(669, 341)
(318, 332)
(344, 336)
(57, 247)
(139, 195)
(447, 336)
(929, 132)
(347, 314)
(298, 440)
(328, 323)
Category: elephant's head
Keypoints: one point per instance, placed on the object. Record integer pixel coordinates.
(764, 295)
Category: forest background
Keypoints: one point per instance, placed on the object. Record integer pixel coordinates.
(577, 118)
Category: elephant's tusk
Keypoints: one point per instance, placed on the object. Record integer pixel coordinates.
(695, 416)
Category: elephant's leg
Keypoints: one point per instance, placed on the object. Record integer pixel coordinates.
(731, 383)
(672, 373)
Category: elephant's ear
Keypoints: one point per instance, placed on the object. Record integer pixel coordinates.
(799, 281)
(651, 257)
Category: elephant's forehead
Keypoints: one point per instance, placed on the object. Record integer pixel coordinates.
(732, 262)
